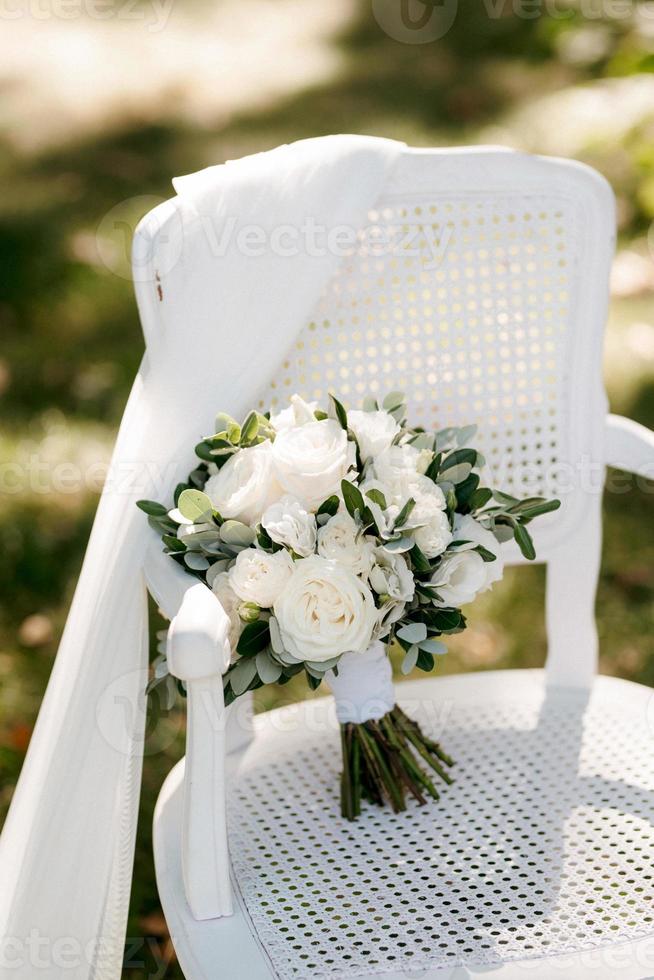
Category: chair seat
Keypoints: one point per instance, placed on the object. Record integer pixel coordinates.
(539, 857)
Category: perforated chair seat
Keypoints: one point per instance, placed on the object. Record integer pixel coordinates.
(536, 862)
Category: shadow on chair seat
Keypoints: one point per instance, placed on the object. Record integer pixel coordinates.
(542, 848)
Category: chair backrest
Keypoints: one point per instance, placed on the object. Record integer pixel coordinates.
(480, 290)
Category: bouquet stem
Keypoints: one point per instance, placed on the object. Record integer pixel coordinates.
(382, 763)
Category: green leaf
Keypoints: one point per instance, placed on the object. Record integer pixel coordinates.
(329, 506)
(485, 553)
(236, 533)
(393, 401)
(465, 434)
(268, 670)
(534, 507)
(403, 516)
(275, 636)
(419, 560)
(203, 450)
(446, 620)
(250, 427)
(242, 674)
(173, 543)
(425, 661)
(152, 508)
(433, 646)
(458, 457)
(410, 659)
(524, 542)
(412, 633)
(505, 498)
(480, 498)
(255, 637)
(377, 497)
(195, 505)
(353, 498)
(338, 412)
(196, 562)
(399, 545)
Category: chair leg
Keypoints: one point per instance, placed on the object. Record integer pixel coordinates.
(572, 575)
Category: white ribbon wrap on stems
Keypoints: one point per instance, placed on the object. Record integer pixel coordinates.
(363, 689)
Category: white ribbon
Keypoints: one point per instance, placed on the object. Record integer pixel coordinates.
(363, 689)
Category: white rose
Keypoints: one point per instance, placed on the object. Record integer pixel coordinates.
(466, 528)
(324, 611)
(246, 485)
(259, 577)
(288, 522)
(298, 412)
(311, 460)
(341, 539)
(375, 431)
(230, 603)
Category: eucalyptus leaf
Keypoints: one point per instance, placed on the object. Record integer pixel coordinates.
(435, 647)
(465, 434)
(242, 675)
(268, 670)
(236, 533)
(410, 659)
(353, 498)
(152, 508)
(195, 505)
(196, 562)
(413, 633)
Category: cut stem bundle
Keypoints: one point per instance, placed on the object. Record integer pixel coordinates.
(382, 763)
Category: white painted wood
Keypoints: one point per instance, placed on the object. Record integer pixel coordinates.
(629, 446)
(498, 320)
(229, 948)
(198, 654)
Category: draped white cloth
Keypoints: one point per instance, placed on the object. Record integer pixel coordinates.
(216, 334)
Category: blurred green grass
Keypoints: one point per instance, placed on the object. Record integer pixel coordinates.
(71, 340)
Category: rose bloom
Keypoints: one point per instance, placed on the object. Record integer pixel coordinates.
(298, 412)
(288, 522)
(245, 486)
(340, 539)
(230, 603)
(259, 577)
(311, 460)
(461, 576)
(374, 431)
(324, 611)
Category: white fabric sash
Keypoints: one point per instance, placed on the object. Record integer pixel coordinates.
(215, 338)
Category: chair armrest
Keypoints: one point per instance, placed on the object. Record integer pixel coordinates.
(629, 446)
(199, 653)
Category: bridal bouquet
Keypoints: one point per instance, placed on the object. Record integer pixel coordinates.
(329, 536)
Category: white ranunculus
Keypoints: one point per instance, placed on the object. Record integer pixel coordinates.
(395, 468)
(288, 522)
(466, 528)
(298, 412)
(324, 611)
(259, 577)
(311, 460)
(246, 485)
(434, 536)
(230, 603)
(341, 539)
(374, 431)
(391, 576)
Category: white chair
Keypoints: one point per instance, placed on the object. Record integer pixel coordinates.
(488, 306)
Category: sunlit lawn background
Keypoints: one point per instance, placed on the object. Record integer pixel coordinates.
(98, 112)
